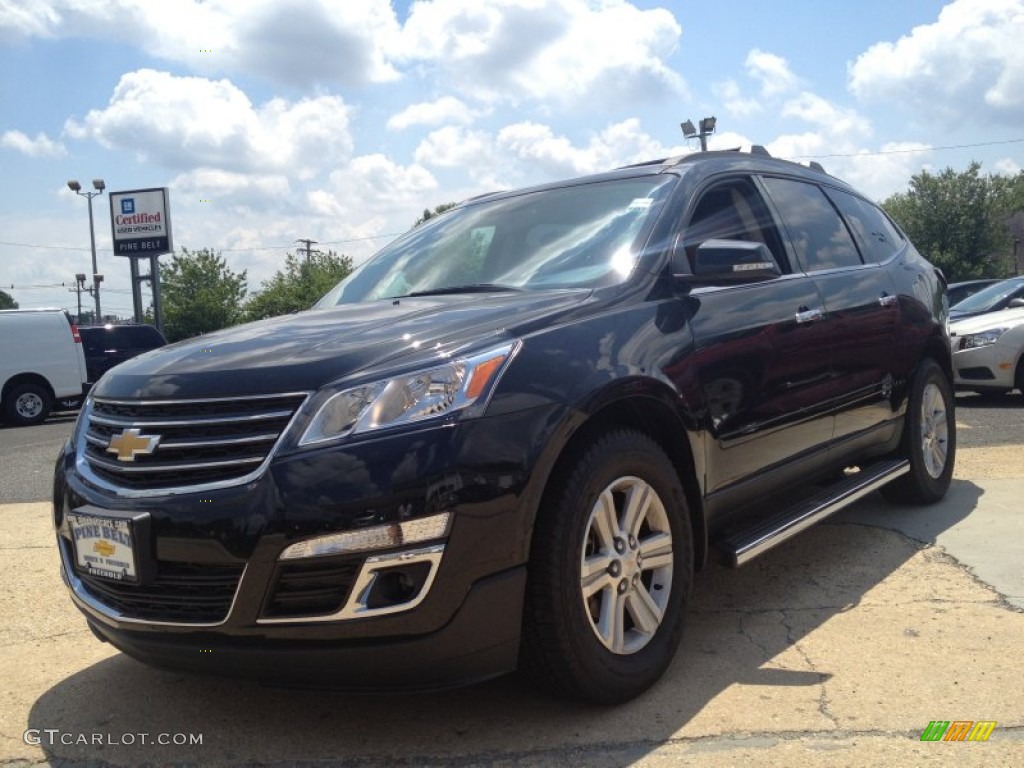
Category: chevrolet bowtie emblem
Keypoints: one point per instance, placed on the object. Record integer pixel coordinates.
(130, 443)
(104, 548)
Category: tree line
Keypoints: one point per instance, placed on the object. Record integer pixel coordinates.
(968, 224)
(200, 293)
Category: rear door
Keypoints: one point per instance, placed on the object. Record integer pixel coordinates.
(860, 298)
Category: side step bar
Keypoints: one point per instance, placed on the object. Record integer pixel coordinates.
(745, 545)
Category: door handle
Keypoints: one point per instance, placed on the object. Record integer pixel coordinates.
(886, 300)
(805, 315)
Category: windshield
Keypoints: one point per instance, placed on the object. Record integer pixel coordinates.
(576, 236)
(989, 298)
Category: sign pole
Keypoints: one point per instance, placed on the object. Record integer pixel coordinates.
(136, 290)
(158, 308)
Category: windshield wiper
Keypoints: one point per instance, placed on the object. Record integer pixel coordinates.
(468, 288)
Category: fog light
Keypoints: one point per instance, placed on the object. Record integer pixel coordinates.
(378, 537)
(394, 586)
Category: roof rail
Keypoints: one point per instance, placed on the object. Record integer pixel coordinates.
(757, 149)
(815, 165)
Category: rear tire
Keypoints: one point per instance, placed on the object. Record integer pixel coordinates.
(27, 404)
(929, 439)
(610, 573)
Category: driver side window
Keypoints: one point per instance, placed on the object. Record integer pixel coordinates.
(732, 210)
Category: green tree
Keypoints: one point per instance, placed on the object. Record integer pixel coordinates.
(299, 285)
(954, 219)
(429, 214)
(7, 301)
(200, 294)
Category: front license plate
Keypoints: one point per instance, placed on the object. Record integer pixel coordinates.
(104, 546)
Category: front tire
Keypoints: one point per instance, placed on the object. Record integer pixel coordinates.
(610, 573)
(929, 439)
(27, 404)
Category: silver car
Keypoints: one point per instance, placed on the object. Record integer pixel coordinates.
(988, 352)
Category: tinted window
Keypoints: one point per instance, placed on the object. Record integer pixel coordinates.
(878, 239)
(733, 211)
(819, 236)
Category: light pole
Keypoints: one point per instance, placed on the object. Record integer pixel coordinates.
(707, 127)
(99, 186)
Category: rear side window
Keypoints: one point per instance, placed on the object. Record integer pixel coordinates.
(818, 234)
(878, 239)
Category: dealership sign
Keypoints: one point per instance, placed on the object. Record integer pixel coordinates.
(141, 222)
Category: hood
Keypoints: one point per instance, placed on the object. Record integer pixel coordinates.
(1005, 318)
(305, 351)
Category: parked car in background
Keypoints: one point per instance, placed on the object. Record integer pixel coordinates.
(41, 362)
(108, 345)
(512, 436)
(957, 292)
(988, 352)
(995, 297)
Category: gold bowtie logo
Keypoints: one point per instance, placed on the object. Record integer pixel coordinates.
(103, 548)
(131, 443)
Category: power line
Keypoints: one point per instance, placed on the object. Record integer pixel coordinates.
(908, 151)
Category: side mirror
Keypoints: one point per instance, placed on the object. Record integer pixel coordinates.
(1016, 303)
(731, 261)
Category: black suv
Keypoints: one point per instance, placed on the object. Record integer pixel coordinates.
(108, 345)
(511, 437)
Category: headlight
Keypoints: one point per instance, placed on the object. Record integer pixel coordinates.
(427, 394)
(982, 339)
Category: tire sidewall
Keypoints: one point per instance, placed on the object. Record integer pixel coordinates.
(611, 671)
(931, 488)
(11, 413)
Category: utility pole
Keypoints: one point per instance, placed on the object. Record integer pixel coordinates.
(97, 278)
(309, 247)
(79, 289)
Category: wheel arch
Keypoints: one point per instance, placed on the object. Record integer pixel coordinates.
(26, 378)
(653, 417)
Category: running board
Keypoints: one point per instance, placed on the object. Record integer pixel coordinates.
(743, 546)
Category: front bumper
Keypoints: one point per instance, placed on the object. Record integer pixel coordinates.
(216, 602)
(991, 367)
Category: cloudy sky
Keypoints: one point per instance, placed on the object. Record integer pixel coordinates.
(341, 120)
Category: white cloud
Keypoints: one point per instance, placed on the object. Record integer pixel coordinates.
(376, 185)
(1007, 166)
(216, 190)
(968, 65)
(454, 147)
(772, 71)
(447, 109)
(535, 146)
(190, 122)
(736, 104)
(40, 146)
(838, 121)
(300, 43)
(560, 50)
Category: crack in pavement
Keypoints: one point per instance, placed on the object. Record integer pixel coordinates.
(823, 700)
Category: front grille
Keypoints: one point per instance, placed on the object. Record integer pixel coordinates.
(182, 593)
(200, 441)
(310, 589)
